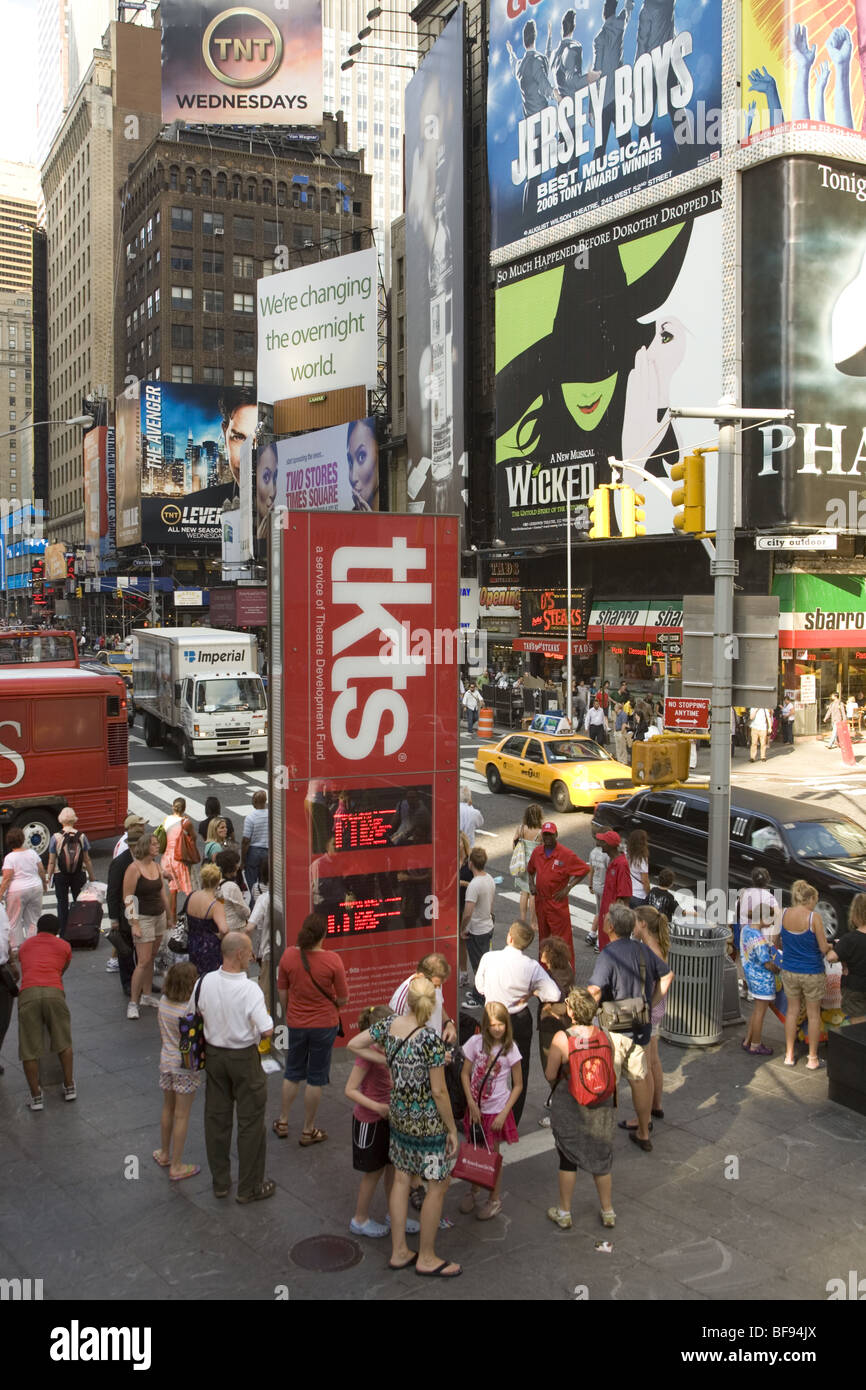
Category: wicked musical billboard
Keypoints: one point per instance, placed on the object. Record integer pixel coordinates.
(594, 342)
(804, 342)
(589, 103)
(803, 65)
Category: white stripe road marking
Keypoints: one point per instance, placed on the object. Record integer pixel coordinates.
(227, 778)
(259, 776)
(188, 781)
(152, 814)
(194, 809)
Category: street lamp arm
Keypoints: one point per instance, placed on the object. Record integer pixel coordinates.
(86, 422)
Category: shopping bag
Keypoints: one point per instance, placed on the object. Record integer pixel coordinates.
(477, 1165)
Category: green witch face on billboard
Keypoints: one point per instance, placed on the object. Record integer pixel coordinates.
(588, 353)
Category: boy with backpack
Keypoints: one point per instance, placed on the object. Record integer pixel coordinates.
(69, 864)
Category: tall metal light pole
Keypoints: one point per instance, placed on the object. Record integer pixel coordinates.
(152, 593)
(724, 569)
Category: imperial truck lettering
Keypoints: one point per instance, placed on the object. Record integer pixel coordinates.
(373, 618)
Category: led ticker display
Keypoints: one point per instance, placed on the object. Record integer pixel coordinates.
(376, 818)
(361, 904)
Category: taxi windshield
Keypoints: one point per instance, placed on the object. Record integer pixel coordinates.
(567, 750)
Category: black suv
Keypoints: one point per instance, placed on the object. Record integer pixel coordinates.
(790, 839)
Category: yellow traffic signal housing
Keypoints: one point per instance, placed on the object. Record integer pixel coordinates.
(599, 513)
(691, 495)
(633, 513)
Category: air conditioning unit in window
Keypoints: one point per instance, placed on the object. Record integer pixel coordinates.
(219, 231)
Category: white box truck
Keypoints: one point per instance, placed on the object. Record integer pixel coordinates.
(199, 688)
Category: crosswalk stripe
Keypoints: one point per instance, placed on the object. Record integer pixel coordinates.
(151, 788)
(152, 814)
(227, 778)
(187, 781)
(258, 776)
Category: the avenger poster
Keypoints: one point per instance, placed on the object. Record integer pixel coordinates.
(588, 103)
(804, 342)
(595, 340)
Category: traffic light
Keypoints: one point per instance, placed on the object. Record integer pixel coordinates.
(633, 514)
(79, 592)
(691, 495)
(599, 513)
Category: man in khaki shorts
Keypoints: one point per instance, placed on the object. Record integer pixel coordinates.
(44, 959)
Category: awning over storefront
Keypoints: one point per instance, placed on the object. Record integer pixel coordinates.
(552, 646)
(634, 619)
(821, 611)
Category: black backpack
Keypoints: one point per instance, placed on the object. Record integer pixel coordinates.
(70, 853)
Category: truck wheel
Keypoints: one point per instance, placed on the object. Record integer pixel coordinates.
(260, 760)
(38, 825)
(152, 731)
(189, 758)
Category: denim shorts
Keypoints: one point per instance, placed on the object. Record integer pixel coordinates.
(308, 1055)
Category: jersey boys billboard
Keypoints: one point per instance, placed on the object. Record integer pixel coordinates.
(594, 343)
(804, 342)
(366, 815)
(587, 104)
(238, 65)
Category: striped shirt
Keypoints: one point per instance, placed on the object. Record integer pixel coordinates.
(256, 828)
(399, 1002)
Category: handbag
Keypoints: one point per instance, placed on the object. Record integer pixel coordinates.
(192, 1044)
(622, 1015)
(8, 981)
(304, 962)
(474, 1164)
(517, 867)
(179, 939)
(187, 849)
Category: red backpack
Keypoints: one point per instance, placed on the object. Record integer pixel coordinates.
(591, 1074)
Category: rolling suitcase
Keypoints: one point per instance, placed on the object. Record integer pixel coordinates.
(83, 924)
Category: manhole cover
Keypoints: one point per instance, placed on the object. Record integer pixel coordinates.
(326, 1254)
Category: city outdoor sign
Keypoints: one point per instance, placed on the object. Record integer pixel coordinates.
(687, 714)
(821, 540)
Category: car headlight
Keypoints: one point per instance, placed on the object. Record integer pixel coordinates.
(591, 786)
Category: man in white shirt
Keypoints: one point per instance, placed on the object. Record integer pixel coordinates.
(255, 841)
(471, 818)
(509, 977)
(437, 970)
(476, 926)
(472, 702)
(235, 1021)
(760, 724)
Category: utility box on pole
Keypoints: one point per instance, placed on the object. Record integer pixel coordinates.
(754, 651)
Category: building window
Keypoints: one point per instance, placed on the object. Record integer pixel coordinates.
(243, 228)
(181, 258)
(212, 263)
(325, 197)
(281, 195)
(222, 186)
(237, 188)
(181, 336)
(156, 301)
(243, 267)
(212, 223)
(173, 179)
(252, 190)
(181, 219)
(181, 297)
(190, 180)
(206, 186)
(212, 339)
(268, 268)
(244, 378)
(181, 375)
(212, 376)
(267, 191)
(244, 303)
(244, 342)
(271, 232)
(212, 301)
(13, 415)
(302, 235)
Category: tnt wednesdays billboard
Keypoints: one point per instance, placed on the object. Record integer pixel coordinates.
(804, 342)
(239, 65)
(594, 341)
(588, 104)
(364, 629)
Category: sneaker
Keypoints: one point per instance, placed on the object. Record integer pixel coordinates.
(70, 1093)
(132, 1010)
(590, 939)
(464, 978)
(491, 1209)
(560, 1218)
(149, 1001)
(37, 1102)
(472, 1001)
(608, 1218)
(371, 1228)
(544, 1122)
(467, 1204)
(412, 1226)
(113, 965)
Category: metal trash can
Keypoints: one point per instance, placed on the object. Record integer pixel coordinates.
(693, 1017)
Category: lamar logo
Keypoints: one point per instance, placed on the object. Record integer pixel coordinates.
(373, 618)
(242, 47)
(170, 514)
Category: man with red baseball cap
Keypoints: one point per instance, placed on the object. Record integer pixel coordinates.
(617, 881)
(553, 870)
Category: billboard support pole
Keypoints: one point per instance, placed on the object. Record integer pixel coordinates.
(569, 708)
(724, 570)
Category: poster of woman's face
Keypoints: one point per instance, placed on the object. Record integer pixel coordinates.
(362, 458)
(330, 470)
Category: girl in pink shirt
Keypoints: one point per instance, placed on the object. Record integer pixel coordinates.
(492, 1080)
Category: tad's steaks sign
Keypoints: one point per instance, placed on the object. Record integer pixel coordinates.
(544, 612)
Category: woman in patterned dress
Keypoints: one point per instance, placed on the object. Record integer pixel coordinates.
(424, 1139)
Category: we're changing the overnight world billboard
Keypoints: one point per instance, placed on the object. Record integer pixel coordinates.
(588, 103)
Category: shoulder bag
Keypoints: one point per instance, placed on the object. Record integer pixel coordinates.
(191, 1029)
(518, 859)
(187, 849)
(622, 1015)
(340, 1033)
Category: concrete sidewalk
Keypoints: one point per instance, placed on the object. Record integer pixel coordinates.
(754, 1189)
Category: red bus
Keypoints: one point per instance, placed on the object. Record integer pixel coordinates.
(38, 647)
(63, 742)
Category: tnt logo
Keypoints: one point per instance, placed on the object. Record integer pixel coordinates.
(242, 47)
(189, 656)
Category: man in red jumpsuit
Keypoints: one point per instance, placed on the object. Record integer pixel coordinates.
(553, 870)
(617, 881)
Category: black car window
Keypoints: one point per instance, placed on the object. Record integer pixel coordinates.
(514, 746)
(659, 806)
(533, 751)
(837, 839)
(764, 835)
(695, 817)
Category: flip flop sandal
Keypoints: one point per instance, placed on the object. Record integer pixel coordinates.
(281, 1128)
(437, 1272)
(163, 1163)
(395, 1269)
(632, 1129)
(659, 1114)
(190, 1171)
(818, 1065)
(315, 1136)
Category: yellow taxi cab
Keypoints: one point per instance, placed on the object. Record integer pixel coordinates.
(120, 661)
(573, 771)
